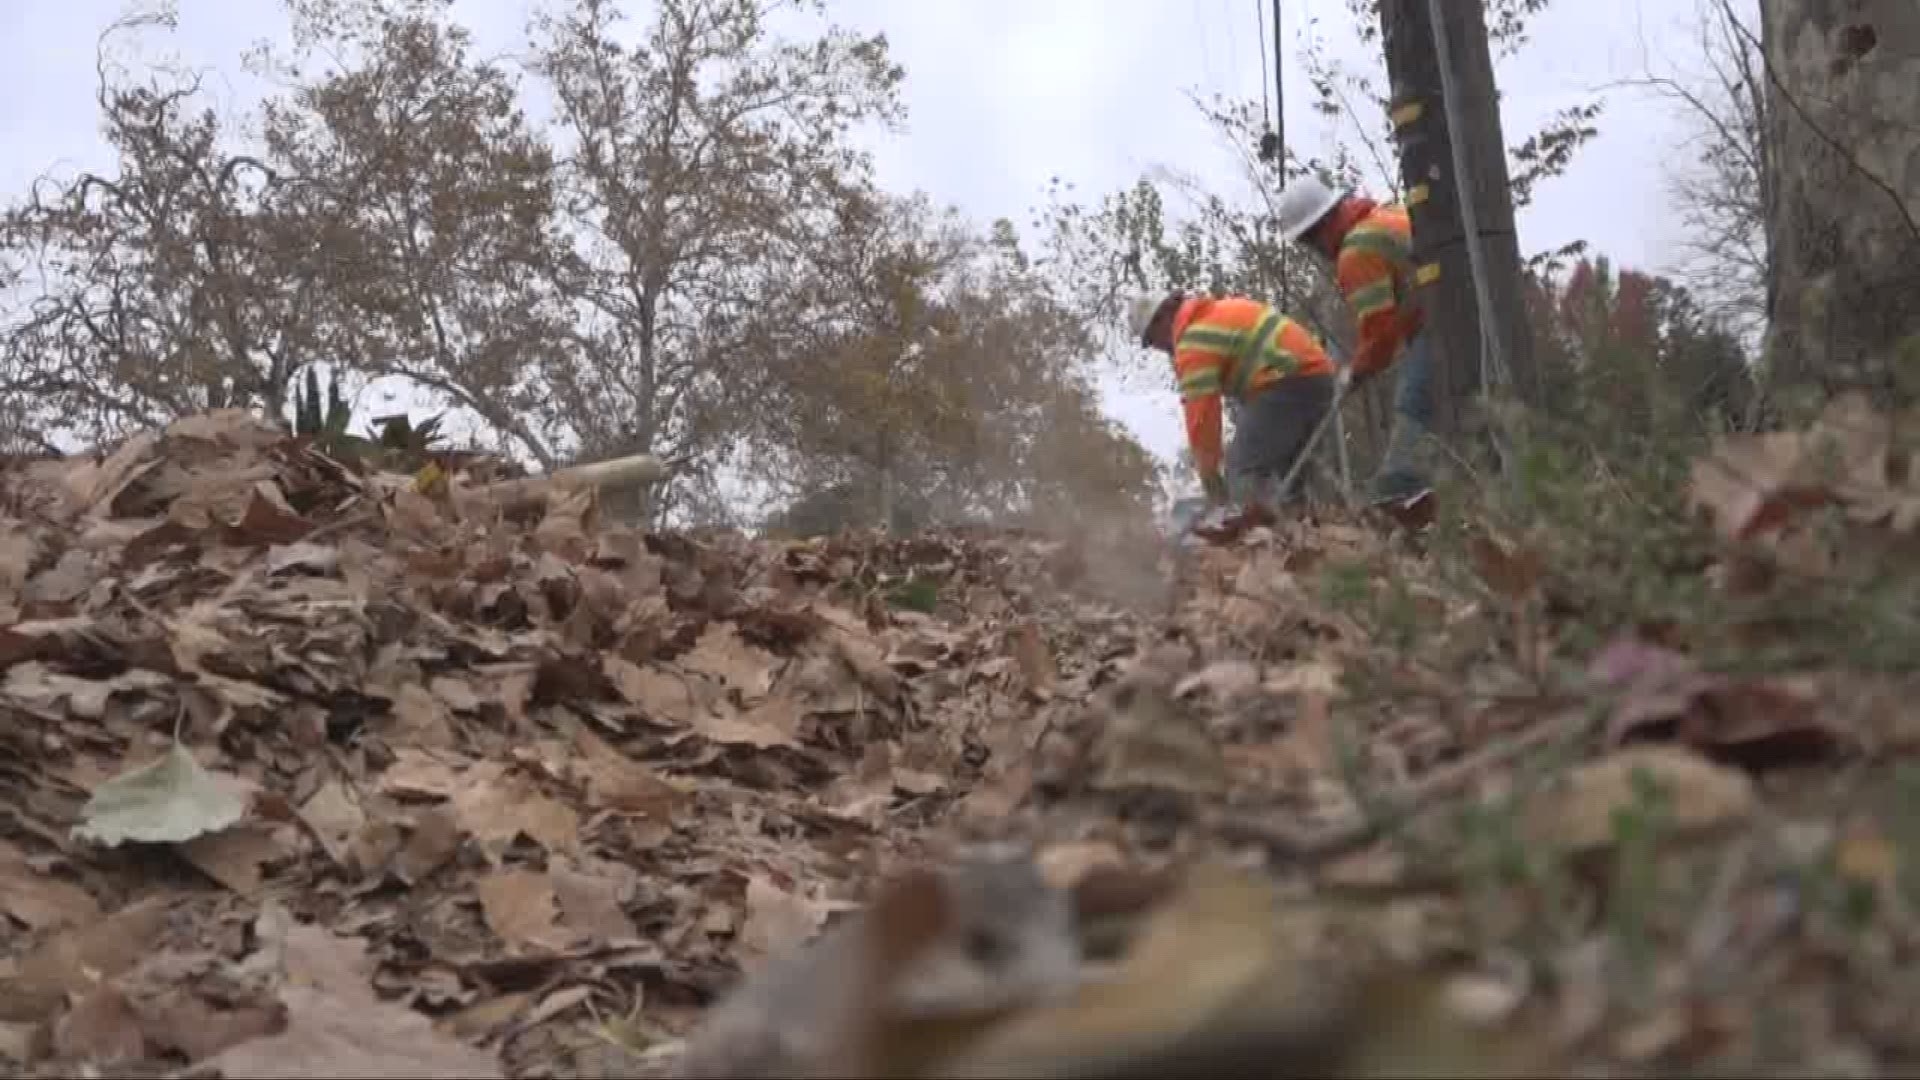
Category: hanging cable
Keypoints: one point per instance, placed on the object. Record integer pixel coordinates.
(1266, 107)
(1279, 87)
(1273, 141)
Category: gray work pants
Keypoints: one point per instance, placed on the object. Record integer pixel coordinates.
(1270, 432)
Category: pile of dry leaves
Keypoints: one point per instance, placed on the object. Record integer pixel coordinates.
(308, 772)
(291, 749)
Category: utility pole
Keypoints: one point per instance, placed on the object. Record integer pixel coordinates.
(1279, 88)
(1458, 193)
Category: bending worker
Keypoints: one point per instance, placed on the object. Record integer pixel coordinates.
(1270, 364)
(1371, 248)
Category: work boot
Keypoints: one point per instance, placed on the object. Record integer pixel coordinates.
(1402, 473)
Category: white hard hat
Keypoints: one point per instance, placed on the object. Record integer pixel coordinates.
(1302, 204)
(1140, 313)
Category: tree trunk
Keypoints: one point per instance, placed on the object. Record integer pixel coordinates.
(1844, 83)
(883, 495)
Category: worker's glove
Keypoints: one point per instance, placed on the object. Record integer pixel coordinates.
(1364, 373)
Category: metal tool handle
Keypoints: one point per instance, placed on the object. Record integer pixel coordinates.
(1313, 439)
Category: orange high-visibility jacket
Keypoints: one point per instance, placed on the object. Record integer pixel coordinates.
(1236, 346)
(1375, 274)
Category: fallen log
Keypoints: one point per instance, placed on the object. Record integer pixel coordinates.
(617, 474)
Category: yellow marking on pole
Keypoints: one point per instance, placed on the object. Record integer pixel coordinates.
(1407, 114)
(1418, 195)
(1427, 274)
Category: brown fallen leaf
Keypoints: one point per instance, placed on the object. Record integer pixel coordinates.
(522, 910)
(617, 782)
(76, 959)
(40, 900)
(1511, 571)
(776, 920)
(1311, 741)
(236, 856)
(423, 772)
(665, 697)
(1577, 812)
(456, 694)
(496, 806)
(268, 519)
(333, 1038)
(590, 905)
(24, 1043)
(1754, 722)
(558, 1003)
(866, 792)
(483, 1018)
(182, 1021)
(334, 816)
(432, 842)
(1150, 741)
(17, 549)
(721, 653)
(855, 646)
(1035, 659)
(1224, 680)
(101, 1029)
(1227, 979)
(737, 730)
(421, 718)
(1063, 865)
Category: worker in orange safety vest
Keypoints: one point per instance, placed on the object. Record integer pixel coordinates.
(1240, 348)
(1371, 248)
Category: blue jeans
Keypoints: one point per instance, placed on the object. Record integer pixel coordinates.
(1400, 475)
(1413, 397)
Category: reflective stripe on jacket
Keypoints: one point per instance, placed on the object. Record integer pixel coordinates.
(1238, 347)
(1375, 274)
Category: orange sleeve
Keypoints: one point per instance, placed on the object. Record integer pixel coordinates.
(1366, 281)
(1198, 370)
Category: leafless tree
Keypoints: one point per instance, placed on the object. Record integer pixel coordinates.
(1721, 186)
(172, 286)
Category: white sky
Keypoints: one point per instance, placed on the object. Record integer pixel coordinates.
(1004, 94)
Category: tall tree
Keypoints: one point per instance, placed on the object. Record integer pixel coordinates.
(169, 285)
(429, 201)
(1844, 90)
(699, 160)
(938, 366)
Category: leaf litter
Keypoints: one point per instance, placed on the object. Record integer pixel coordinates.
(313, 772)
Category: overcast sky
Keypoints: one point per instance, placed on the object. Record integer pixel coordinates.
(1004, 94)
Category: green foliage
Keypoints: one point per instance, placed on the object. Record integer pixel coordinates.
(1599, 486)
(391, 442)
(314, 419)
(939, 376)
(846, 506)
(397, 432)
(916, 594)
